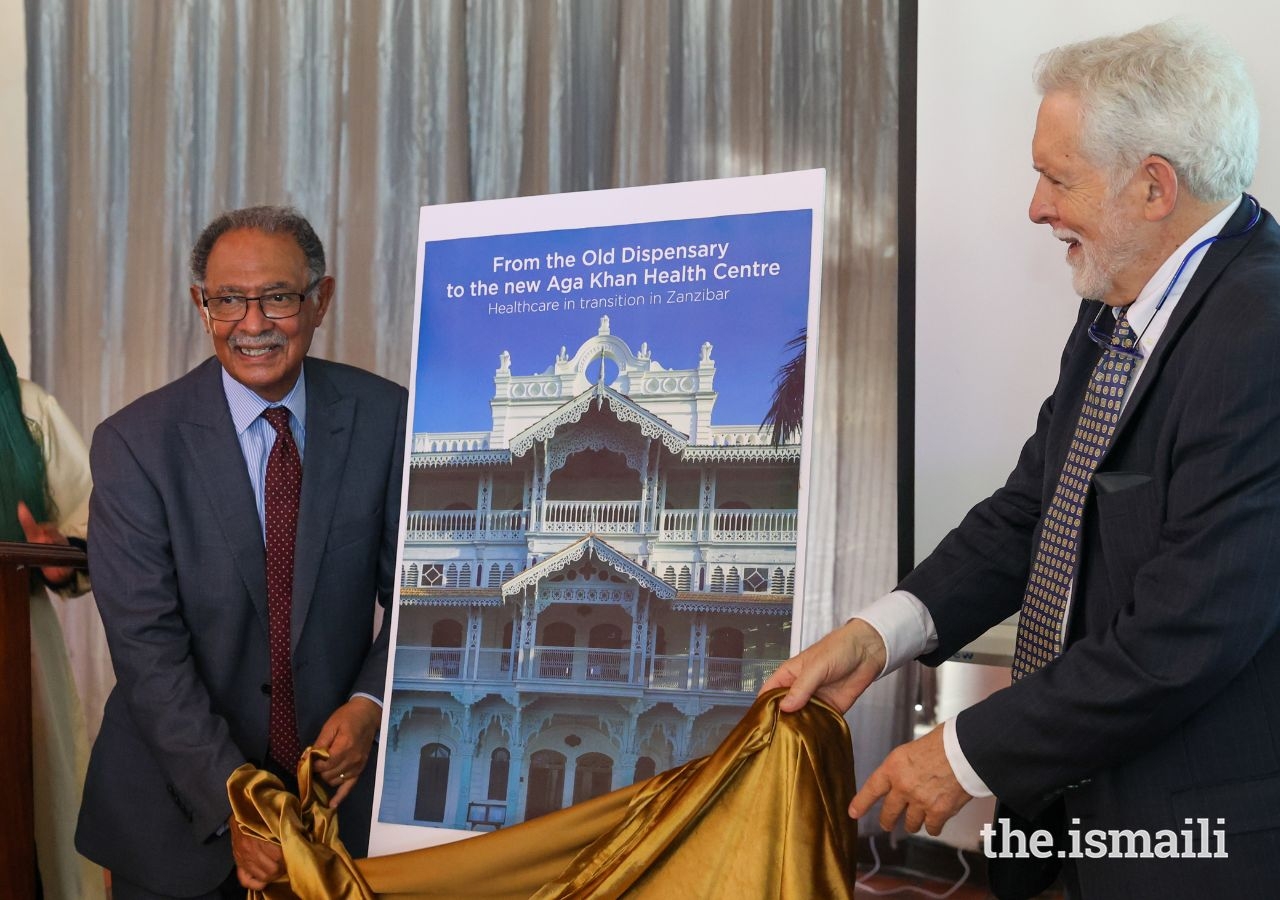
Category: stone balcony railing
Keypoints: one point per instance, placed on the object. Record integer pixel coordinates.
(453, 442)
(582, 666)
(466, 524)
(578, 517)
(599, 516)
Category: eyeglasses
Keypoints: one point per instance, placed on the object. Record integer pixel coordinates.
(281, 305)
(1130, 348)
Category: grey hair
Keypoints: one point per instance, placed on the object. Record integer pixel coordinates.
(268, 219)
(1165, 90)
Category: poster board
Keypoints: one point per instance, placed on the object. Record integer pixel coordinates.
(602, 544)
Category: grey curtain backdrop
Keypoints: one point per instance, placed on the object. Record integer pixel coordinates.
(148, 117)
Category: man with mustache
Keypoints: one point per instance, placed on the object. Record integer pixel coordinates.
(243, 527)
(1137, 534)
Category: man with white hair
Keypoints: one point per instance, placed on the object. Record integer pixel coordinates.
(1137, 533)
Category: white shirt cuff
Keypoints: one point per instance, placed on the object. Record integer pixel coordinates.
(905, 626)
(969, 780)
(367, 697)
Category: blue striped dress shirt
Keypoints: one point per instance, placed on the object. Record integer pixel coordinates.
(256, 435)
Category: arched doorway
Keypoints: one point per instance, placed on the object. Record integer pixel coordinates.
(605, 656)
(433, 783)
(446, 663)
(554, 662)
(592, 777)
(724, 660)
(645, 768)
(499, 770)
(546, 783)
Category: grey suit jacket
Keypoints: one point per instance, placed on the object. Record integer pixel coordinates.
(179, 574)
(1163, 706)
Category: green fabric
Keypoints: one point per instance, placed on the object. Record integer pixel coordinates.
(22, 474)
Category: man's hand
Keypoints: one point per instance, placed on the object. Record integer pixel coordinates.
(45, 533)
(916, 781)
(348, 736)
(258, 862)
(837, 669)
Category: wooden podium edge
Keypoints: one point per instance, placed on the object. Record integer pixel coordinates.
(17, 807)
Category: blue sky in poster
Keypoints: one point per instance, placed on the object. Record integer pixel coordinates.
(748, 296)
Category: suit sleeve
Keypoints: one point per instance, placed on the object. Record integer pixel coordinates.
(1202, 606)
(372, 678)
(135, 585)
(976, 576)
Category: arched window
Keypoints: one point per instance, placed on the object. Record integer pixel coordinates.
(508, 572)
(433, 783)
(791, 580)
(593, 776)
(410, 576)
(669, 575)
(546, 783)
(499, 770)
(778, 582)
(645, 768)
(464, 577)
(495, 576)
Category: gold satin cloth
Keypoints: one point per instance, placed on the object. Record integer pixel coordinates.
(764, 816)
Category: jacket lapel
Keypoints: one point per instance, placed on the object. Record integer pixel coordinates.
(1218, 255)
(329, 423)
(218, 462)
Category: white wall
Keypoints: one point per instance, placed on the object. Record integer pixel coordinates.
(15, 258)
(993, 292)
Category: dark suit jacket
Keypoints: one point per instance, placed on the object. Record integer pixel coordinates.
(1165, 704)
(179, 574)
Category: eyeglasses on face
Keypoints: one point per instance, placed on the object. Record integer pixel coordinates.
(275, 305)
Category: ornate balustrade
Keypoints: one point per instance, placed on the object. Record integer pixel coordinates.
(730, 526)
(753, 525)
(599, 516)
(585, 665)
(454, 442)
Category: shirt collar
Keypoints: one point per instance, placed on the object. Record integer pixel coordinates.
(246, 406)
(1142, 310)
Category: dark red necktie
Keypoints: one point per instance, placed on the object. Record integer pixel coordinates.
(283, 488)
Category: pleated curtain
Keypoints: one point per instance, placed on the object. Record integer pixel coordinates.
(149, 117)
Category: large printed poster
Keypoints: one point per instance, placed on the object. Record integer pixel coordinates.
(602, 541)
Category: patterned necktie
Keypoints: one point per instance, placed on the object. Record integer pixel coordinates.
(1053, 567)
(283, 488)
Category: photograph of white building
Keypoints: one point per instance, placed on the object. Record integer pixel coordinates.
(592, 589)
